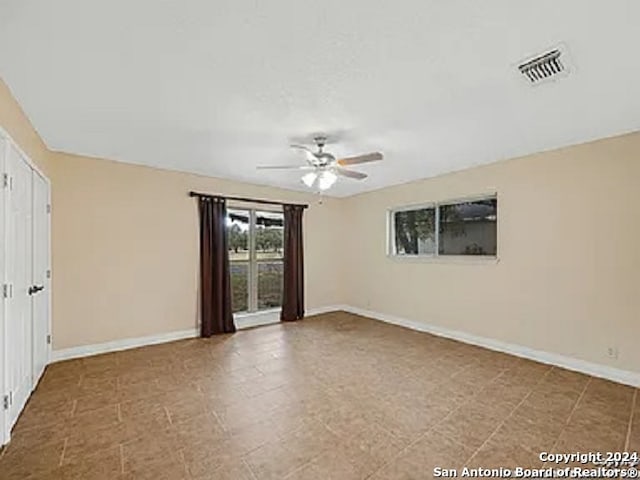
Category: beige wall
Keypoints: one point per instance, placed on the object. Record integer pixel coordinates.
(568, 276)
(125, 249)
(14, 121)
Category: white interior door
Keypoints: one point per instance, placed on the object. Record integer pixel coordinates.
(19, 370)
(40, 291)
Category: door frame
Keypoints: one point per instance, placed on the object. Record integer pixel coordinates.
(4, 435)
(48, 289)
(5, 432)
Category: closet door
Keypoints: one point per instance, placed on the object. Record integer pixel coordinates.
(4, 438)
(18, 273)
(40, 291)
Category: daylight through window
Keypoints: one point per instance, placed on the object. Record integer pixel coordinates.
(255, 241)
(449, 228)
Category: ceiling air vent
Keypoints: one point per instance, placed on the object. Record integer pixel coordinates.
(545, 67)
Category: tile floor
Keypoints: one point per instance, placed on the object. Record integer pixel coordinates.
(335, 396)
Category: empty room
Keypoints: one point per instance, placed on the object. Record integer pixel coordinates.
(319, 240)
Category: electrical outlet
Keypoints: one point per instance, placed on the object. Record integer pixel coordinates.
(612, 352)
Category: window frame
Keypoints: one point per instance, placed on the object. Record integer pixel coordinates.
(391, 235)
(391, 247)
(253, 261)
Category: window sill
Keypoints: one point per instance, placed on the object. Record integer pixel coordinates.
(256, 314)
(446, 259)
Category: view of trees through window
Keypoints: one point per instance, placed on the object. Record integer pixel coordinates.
(255, 241)
(415, 231)
(468, 228)
(463, 228)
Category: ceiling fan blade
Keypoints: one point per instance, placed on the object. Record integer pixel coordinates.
(311, 156)
(367, 157)
(351, 174)
(285, 167)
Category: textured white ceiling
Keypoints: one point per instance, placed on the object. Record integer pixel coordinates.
(219, 87)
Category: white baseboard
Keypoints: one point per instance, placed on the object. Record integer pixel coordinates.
(117, 345)
(597, 370)
(242, 321)
(329, 309)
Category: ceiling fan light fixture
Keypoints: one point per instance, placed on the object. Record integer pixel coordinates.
(309, 179)
(326, 179)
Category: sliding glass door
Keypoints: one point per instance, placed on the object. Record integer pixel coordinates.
(255, 239)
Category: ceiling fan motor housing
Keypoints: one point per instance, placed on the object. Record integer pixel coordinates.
(320, 141)
(324, 158)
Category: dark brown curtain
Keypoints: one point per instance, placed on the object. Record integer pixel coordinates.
(215, 284)
(293, 289)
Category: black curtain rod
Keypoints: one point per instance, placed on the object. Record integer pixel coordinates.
(251, 200)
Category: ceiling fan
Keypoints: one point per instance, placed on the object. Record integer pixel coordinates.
(324, 168)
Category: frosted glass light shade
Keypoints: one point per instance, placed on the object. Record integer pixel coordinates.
(309, 179)
(326, 180)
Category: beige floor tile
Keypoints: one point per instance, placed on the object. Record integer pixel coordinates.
(197, 429)
(471, 425)
(101, 466)
(204, 459)
(53, 382)
(21, 461)
(36, 435)
(608, 399)
(561, 379)
(421, 458)
(590, 432)
(148, 388)
(151, 453)
(152, 406)
(404, 468)
(498, 452)
(329, 465)
(90, 386)
(93, 419)
(274, 460)
(235, 469)
(159, 471)
(181, 408)
(81, 443)
(370, 449)
(97, 401)
(550, 402)
(65, 368)
(634, 434)
(530, 429)
(502, 395)
(38, 413)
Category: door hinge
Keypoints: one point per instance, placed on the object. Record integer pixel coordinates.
(48, 208)
(7, 290)
(5, 402)
(48, 339)
(48, 273)
(6, 180)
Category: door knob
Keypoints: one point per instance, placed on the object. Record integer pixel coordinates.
(35, 289)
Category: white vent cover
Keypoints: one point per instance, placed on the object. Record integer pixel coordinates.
(545, 67)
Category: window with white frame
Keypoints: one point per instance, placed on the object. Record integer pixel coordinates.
(255, 240)
(457, 228)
